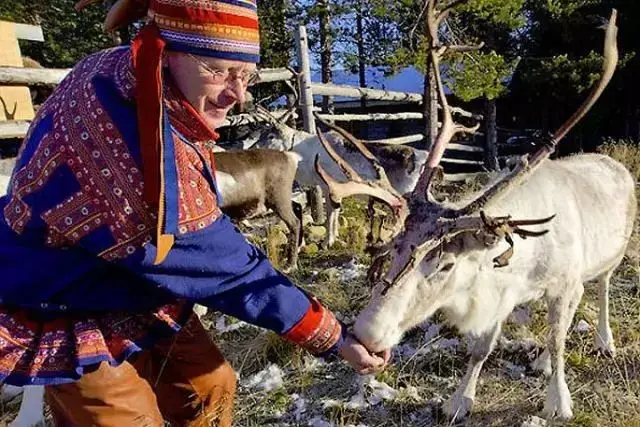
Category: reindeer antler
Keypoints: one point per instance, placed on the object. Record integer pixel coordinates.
(505, 227)
(530, 163)
(449, 128)
(379, 188)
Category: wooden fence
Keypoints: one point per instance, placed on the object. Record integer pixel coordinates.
(461, 160)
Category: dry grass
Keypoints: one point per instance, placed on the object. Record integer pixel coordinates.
(625, 151)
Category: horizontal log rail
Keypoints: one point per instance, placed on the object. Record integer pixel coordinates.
(18, 76)
(14, 129)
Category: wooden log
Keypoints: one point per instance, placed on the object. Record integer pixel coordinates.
(462, 161)
(28, 32)
(371, 117)
(268, 75)
(401, 140)
(14, 129)
(32, 76)
(329, 89)
(306, 87)
(308, 120)
(53, 76)
(6, 166)
(248, 118)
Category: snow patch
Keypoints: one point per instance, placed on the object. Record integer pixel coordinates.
(583, 326)
(299, 406)
(516, 372)
(371, 392)
(533, 421)
(432, 340)
(222, 326)
(268, 379)
(351, 271)
(312, 364)
(520, 316)
(319, 422)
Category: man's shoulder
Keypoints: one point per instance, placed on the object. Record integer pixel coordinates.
(110, 64)
(104, 55)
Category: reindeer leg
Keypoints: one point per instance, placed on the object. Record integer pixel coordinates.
(460, 403)
(561, 311)
(332, 223)
(284, 208)
(604, 336)
(371, 213)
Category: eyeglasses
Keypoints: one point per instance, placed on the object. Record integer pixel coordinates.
(221, 76)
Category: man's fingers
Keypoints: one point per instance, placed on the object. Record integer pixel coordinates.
(385, 355)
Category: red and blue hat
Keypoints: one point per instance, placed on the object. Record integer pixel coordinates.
(225, 29)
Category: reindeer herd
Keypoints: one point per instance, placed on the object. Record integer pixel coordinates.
(470, 260)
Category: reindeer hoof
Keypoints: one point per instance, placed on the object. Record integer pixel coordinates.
(605, 345)
(558, 404)
(458, 407)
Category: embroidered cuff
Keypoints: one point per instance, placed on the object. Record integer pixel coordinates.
(319, 332)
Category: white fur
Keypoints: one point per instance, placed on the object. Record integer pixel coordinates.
(594, 199)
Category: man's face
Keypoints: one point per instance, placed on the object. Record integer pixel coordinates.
(212, 86)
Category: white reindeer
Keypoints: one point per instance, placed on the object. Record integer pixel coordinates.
(452, 258)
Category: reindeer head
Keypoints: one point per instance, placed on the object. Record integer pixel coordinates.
(441, 246)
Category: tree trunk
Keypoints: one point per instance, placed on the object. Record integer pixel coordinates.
(491, 135)
(325, 51)
(362, 66)
(430, 93)
(430, 107)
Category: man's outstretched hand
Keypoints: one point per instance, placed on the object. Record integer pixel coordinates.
(360, 359)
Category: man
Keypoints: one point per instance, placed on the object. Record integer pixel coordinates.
(111, 231)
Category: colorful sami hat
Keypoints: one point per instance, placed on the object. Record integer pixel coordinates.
(226, 29)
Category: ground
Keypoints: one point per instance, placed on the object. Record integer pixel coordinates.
(281, 385)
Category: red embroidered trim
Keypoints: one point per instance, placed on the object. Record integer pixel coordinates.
(318, 330)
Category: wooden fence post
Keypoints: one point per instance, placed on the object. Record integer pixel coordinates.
(314, 196)
(491, 136)
(306, 94)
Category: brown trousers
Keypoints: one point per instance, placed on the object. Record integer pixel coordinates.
(193, 386)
